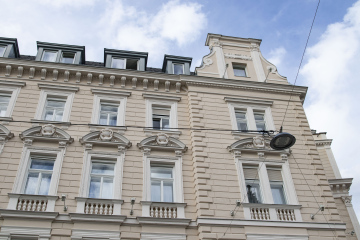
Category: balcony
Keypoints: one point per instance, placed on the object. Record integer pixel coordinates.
(98, 206)
(272, 212)
(163, 209)
(33, 203)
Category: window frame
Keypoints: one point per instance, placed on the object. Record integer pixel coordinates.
(102, 176)
(5, 47)
(14, 93)
(173, 67)
(173, 118)
(115, 158)
(165, 161)
(241, 65)
(125, 64)
(46, 107)
(162, 180)
(50, 50)
(62, 56)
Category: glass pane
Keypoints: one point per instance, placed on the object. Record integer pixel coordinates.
(101, 168)
(103, 119)
(155, 191)
(41, 164)
(240, 115)
(113, 120)
(94, 191)
(31, 183)
(59, 115)
(118, 63)
(168, 191)
(131, 64)
(156, 123)
(68, 57)
(107, 188)
(49, 115)
(4, 99)
(260, 126)
(278, 194)
(45, 184)
(242, 125)
(109, 108)
(49, 56)
(2, 51)
(178, 69)
(253, 192)
(239, 72)
(55, 103)
(259, 116)
(161, 172)
(165, 123)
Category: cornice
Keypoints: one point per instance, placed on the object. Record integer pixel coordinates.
(161, 97)
(325, 142)
(164, 221)
(111, 92)
(6, 213)
(57, 87)
(13, 83)
(248, 101)
(96, 217)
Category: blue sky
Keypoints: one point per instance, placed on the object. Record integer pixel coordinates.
(330, 68)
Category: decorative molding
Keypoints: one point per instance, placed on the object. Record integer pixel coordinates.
(167, 86)
(78, 77)
(20, 71)
(105, 137)
(162, 236)
(237, 56)
(123, 82)
(7, 70)
(8, 213)
(162, 142)
(340, 187)
(111, 92)
(89, 78)
(178, 86)
(66, 76)
(156, 85)
(145, 83)
(58, 87)
(112, 81)
(134, 81)
(79, 234)
(12, 83)
(43, 74)
(248, 101)
(31, 73)
(164, 221)
(5, 134)
(101, 79)
(161, 97)
(55, 74)
(255, 144)
(324, 142)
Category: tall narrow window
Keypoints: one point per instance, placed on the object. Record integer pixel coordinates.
(252, 184)
(67, 57)
(4, 103)
(101, 180)
(260, 120)
(241, 119)
(162, 184)
(239, 70)
(39, 175)
(108, 114)
(118, 63)
(49, 56)
(54, 109)
(178, 68)
(277, 185)
(2, 50)
(161, 117)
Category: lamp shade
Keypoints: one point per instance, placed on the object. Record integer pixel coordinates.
(282, 141)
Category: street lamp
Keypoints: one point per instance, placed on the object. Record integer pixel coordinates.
(282, 141)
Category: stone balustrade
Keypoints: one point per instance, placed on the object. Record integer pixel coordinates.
(98, 206)
(272, 212)
(27, 202)
(163, 209)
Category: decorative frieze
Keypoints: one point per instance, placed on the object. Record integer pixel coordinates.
(145, 83)
(156, 85)
(101, 79)
(43, 73)
(122, 82)
(237, 56)
(89, 78)
(31, 73)
(78, 77)
(112, 80)
(55, 75)
(178, 86)
(7, 70)
(167, 86)
(134, 81)
(66, 76)
(20, 71)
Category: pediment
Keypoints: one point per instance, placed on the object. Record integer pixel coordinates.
(105, 137)
(162, 141)
(46, 133)
(5, 133)
(255, 144)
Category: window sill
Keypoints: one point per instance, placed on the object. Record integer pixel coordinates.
(33, 203)
(63, 125)
(272, 212)
(151, 132)
(97, 127)
(163, 209)
(98, 206)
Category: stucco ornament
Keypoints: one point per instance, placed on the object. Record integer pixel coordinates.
(48, 130)
(162, 139)
(259, 142)
(106, 134)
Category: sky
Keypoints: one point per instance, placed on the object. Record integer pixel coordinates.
(330, 68)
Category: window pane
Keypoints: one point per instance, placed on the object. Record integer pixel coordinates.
(103, 119)
(45, 184)
(161, 172)
(259, 116)
(4, 102)
(31, 183)
(168, 191)
(107, 188)
(178, 69)
(101, 168)
(260, 126)
(2, 50)
(165, 123)
(278, 194)
(49, 56)
(239, 70)
(55, 103)
(67, 57)
(49, 115)
(118, 63)
(109, 108)
(155, 191)
(58, 115)
(242, 125)
(156, 123)
(113, 120)
(253, 192)
(94, 191)
(131, 64)
(41, 164)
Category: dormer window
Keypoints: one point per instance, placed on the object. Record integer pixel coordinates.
(60, 53)
(178, 68)
(121, 59)
(49, 56)
(2, 50)
(123, 63)
(9, 48)
(68, 57)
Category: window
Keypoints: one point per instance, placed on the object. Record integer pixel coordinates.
(108, 114)
(39, 175)
(4, 103)
(49, 56)
(260, 120)
(54, 109)
(239, 70)
(124, 63)
(178, 68)
(161, 117)
(162, 184)
(252, 184)
(241, 119)
(2, 51)
(101, 180)
(276, 185)
(67, 57)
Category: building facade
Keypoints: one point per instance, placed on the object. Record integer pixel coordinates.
(119, 150)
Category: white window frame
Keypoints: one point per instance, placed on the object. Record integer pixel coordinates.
(125, 59)
(173, 122)
(176, 164)
(102, 176)
(22, 173)
(62, 56)
(162, 180)
(242, 65)
(49, 93)
(14, 93)
(173, 67)
(250, 107)
(4, 46)
(115, 158)
(100, 98)
(48, 50)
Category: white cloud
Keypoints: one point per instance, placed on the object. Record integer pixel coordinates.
(277, 56)
(176, 23)
(332, 73)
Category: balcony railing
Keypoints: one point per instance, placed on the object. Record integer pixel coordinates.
(163, 209)
(272, 212)
(98, 206)
(34, 203)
